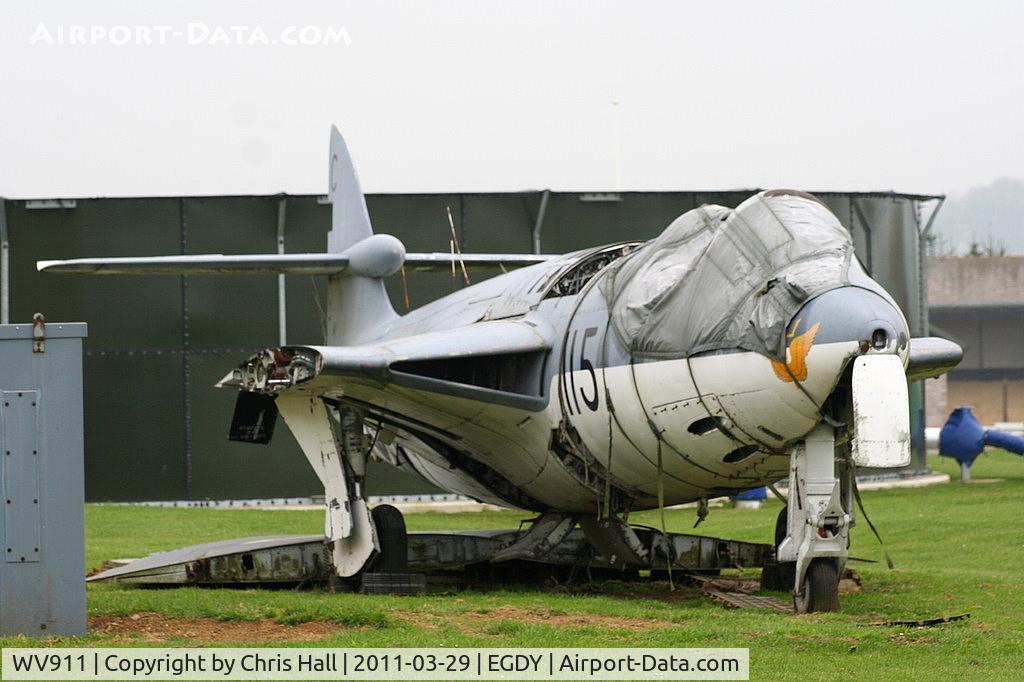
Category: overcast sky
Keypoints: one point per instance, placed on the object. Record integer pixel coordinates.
(912, 96)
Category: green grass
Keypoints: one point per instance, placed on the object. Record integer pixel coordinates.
(957, 548)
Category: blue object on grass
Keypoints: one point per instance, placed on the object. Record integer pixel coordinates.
(757, 494)
(964, 438)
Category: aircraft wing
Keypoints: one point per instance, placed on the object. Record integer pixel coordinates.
(208, 264)
(277, 264)
(492, 361)
(931, 356)
(474, 262)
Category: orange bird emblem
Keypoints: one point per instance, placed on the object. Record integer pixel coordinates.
(796, 355)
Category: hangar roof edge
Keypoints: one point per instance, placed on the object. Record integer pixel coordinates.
(881, 194)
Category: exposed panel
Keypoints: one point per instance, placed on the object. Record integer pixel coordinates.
(19, 411)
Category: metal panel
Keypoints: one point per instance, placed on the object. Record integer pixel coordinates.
(41, 420)
(880, 416)
(19, 411)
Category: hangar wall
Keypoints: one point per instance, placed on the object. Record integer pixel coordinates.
(155, 426)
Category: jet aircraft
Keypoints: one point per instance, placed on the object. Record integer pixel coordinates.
(740, 347)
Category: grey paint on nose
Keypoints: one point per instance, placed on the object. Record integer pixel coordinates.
(853, 313)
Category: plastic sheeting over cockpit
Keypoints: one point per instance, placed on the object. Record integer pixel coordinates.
(720, 278)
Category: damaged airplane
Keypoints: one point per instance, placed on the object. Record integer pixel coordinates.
(740, 347)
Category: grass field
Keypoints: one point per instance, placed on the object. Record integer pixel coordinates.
(958, 548)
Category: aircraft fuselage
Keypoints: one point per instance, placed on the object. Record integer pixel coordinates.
(601, 425)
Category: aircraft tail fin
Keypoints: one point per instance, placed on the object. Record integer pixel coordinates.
(350, 221)
(355, 305)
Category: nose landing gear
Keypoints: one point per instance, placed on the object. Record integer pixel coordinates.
(818, 520)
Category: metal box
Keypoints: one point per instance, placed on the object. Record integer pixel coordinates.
(42, 530)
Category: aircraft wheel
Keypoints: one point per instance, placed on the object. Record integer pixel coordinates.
(820, 588)
(389, 573)
(394, 545)
(781, 521)
(779, 577)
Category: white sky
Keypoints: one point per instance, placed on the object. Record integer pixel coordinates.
(435, 96)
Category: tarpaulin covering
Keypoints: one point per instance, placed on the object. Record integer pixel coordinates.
(719, 278)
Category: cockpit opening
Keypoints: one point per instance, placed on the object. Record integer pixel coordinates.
(572, 281)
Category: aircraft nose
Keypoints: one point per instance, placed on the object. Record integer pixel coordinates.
(853, 313)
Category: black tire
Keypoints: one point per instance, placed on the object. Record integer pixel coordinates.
(781, 523)
(394, 544)
(820, 588)
(782, 575)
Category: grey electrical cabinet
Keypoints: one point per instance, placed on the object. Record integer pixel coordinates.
(42, 530)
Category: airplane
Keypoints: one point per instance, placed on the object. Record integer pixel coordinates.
(738, 348)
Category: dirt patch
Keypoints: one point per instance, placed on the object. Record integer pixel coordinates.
(477, 622)
(156, 627)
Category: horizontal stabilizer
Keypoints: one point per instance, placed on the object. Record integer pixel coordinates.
(210, 264)
(931, 356)
(276, 264)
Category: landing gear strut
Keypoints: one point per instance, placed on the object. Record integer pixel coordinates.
(818, 520)
(337, 450)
